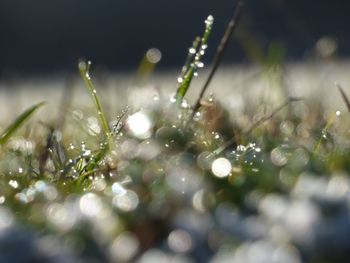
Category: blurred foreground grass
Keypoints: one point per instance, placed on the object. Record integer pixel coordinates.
(172, 191)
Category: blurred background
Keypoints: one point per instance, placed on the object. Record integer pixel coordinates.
(44, 37)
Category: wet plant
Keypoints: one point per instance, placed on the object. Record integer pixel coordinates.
(146, 187)
(18, 122)
(193, 61)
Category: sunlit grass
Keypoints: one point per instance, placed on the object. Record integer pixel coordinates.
(161, 186)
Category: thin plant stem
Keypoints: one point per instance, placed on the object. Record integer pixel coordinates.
(258, 123)
(273, 113)
(232, 25)
(344, 97)
(84, 68)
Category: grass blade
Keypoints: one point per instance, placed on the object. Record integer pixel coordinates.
(344, 97)
(258, 123)
(84, 68)
(19, 121)
(194, 61)
(220, 51)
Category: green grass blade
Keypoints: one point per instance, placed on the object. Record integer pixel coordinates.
(84, 72)
(84, 68)
(190, 56)
(19, 121)
(184, 85)
(193, 61)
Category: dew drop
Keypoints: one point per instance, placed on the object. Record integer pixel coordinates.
(71, 147)
(118, 189)
(140, 125)
(180, 241)
(90, 204)
(13, 184)
(221, 167)
(200, 64)
(124, 247)
(209, 20)
(192, 50)
(87, 153)
(180, 80)
(172, 99)
(278, 157)
(241, 149)
(127, 202)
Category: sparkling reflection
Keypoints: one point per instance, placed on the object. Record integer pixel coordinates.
(221, 167)
(140, 125)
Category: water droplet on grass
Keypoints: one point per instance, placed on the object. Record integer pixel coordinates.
(221, 167)
(180, 80)
(241, 149)
(124, 247)
(87, 153)
(13, 184)
(127, 202)
(200, 64)
(180, 241)
(192, 50)
(118, 189)
(90, 205)
(140, 125)
(209, 20)
(278, 157)
(60, 216)
(71, 147)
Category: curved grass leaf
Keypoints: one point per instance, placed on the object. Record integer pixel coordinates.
(19, 121)
(84, 68)
(344, 97)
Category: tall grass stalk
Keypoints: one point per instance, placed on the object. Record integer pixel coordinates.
(194, 61)
(220, 51)
(84, 68)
